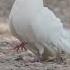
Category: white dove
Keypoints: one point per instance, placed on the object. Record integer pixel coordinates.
(30, 21)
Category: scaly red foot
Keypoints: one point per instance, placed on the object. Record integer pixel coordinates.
(19, 46)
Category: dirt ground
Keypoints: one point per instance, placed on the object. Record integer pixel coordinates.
(9, 59)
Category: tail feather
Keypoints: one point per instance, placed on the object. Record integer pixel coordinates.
(63, 42)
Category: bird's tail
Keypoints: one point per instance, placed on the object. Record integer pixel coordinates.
(63, 42)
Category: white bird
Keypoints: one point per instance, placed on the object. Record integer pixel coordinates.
(32, 22)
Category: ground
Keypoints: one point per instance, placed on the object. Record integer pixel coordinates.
(9, 59)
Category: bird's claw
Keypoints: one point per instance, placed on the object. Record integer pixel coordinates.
(20, 46)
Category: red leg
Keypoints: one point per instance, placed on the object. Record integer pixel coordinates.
(16, 48)
(20, 46)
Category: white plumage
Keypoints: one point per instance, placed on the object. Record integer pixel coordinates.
(36, 24)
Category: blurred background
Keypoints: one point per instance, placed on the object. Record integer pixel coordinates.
(5, 7)
(60, 7)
